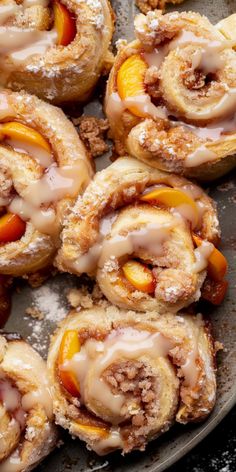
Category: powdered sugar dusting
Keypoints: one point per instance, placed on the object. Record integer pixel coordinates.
(49, 302)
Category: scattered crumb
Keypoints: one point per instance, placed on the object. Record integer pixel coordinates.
(37, 279)
(93, 132)
(226, 186)
(121, 43)
(218, 346)
(77, 298)
(81, 298)
(147, 5)
(34, 313)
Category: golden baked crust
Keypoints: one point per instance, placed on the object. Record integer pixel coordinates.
(23, 378)
(163, 385)
(115, 194)
(63, 73)
(193, 137)
(36, 249)
(147, 5)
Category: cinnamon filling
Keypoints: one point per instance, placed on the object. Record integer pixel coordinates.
(121, 388)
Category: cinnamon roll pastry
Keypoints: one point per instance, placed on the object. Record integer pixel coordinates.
(171, 95)
(26, 428)
(56, 49)
(43, 167)
(120, 380)
(135, 229)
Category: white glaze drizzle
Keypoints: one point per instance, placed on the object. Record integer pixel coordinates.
(202, 254)
(207, 58)
(56, 183)
(22, 44)
(151, 237)
(121, 345)
(29, 361)
(200, 156)
(43, 157)
(125, 344)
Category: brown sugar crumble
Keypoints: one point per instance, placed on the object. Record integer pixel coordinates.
(147, 5)
(34, 313)
(93, 132)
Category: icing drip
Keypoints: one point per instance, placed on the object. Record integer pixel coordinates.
(7, 11)
(37, 392)
(202, 254)
(113, 441)
(43, 220)
(151, 237)
(12, 401)
(208, 59)
(40, 155)
(22, 44)
(125, 344)
(56, 183)
(37, 42)
(200, 156)
(116, 106)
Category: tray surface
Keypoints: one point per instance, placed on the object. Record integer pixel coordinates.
(51, 300)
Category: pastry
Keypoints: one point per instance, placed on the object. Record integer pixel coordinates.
(57, 49)
(27, 430)
(120, 380)
(43, 167)
(135, 229)
(147, 5)
(171, 97)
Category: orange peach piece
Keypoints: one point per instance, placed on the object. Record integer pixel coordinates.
(15, 130)
(12, 228)
(65, 24)
(130, 80)
(140, 276)
(172, 198)
(91, 429)
(217, 263)
(70, 345)
(214, 291)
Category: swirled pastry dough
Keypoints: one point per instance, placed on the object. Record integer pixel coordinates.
(121, 379)
(56, 50)
(171, 95)
(44, 166)
(26, 428)
(112, 223)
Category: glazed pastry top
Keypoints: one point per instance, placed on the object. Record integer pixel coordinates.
(172, 92)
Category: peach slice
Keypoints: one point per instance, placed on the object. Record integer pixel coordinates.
(12, 228)
(217, 263)
(15, 130)
(91, 429)
(65, 24)
(130, 80)
(172, 198)
(213, 291)
(70, 345)
(140, 276)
